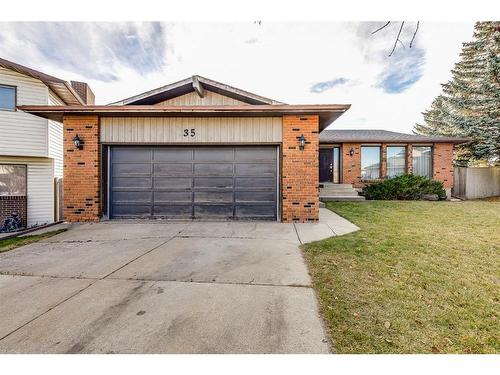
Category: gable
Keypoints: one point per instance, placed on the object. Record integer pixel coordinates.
(209, 98)
(196, 90)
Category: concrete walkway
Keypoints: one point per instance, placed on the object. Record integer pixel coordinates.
(156, 287)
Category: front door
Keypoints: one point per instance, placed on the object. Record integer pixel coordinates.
(325, 165)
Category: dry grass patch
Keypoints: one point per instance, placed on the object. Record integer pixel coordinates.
(12, 243)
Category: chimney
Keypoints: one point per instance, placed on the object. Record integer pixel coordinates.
(84, 91)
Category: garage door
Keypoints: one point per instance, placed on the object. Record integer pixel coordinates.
(208, 182)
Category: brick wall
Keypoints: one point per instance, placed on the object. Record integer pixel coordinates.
(300, 169)
(442, 164)
(10, 204)
(81, 190)
(351, 165)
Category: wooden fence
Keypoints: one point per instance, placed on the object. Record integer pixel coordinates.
(476, 182)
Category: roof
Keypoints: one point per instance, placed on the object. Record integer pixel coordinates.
(195, 83)
(327, 112)
(385, 136)
(62, 88)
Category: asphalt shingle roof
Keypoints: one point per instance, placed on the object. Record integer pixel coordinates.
(364, 135)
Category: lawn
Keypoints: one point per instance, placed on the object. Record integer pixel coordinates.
(12, 243)
(419, 277)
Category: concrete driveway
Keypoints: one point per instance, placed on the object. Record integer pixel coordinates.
(156, 287)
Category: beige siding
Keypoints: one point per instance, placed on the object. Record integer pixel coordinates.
(56, 138)
(40, 188)
(207, 129)
(209, 98)
(22, 133)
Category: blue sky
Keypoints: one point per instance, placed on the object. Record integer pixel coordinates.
(329, 62)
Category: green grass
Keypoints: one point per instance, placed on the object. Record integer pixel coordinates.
(419, 277)
(12, 243)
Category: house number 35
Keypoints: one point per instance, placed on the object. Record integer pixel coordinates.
(189, 133)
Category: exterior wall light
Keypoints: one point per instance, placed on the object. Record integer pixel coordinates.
(302, 142)
(78, 142)
(351, 151)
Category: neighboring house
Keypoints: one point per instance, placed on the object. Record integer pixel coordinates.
(359, 157)
(200, 149)
(31, 148)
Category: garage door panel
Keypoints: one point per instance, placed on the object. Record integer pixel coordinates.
(174, 154)
(173, 169)
(255, 196)
(213, 211)
(128, 169)
(131, 210)
(172, 196)
(211, 169)
(132, 197)
(255, 211)
(254, 169)
(131, 182)
(219, 154)
(131, 154)
(172, 183)
(214, 182)
(257, 183)
(212, 196)
(194, 182)
(173, 210)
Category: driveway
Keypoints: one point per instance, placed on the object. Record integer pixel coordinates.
(156, 287)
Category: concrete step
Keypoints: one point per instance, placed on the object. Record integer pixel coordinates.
(342, 198)
(341, 193)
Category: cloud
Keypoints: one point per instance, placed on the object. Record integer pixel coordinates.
(320, 87)
(405, 66)
(402, 70)
(92, 50)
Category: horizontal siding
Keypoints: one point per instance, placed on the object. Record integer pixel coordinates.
(159, 130)
(40, 188)
(209, 98)
(56, 138)
(22, 133)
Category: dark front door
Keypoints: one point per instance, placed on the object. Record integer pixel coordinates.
(325, 165)
(194, 182)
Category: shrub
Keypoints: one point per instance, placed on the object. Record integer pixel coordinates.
(405, 187)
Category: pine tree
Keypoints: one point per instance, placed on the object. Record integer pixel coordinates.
(470, 103)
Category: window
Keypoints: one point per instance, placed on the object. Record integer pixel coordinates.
(7, 98)
(370, 162)
(422, 161)
(12, 180)
(396, 161)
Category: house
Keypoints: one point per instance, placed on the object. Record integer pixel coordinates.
(360, 157)
(201, 149)
(31, 151)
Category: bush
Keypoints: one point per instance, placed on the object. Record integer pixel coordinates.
(405, 187)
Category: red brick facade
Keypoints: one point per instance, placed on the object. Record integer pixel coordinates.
(81, 190)
(442, 163)
(300, 169)
(10, 204)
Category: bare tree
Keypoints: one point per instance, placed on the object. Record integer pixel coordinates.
(399, 35)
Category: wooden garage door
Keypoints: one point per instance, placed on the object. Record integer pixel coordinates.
(202, 182)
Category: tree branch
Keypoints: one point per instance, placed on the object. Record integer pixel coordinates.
(397, 39)
(414, 34)
(380, 28)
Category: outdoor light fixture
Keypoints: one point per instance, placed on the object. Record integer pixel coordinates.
(302, 142)
(78, 142)
(351, 151)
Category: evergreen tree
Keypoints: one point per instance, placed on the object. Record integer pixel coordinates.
(470, 103)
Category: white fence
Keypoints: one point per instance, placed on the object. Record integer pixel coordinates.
(476, 182)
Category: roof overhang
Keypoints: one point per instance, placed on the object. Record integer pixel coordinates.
(62, 88)
(327, 112)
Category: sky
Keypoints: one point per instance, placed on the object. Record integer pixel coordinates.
(295, 63)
